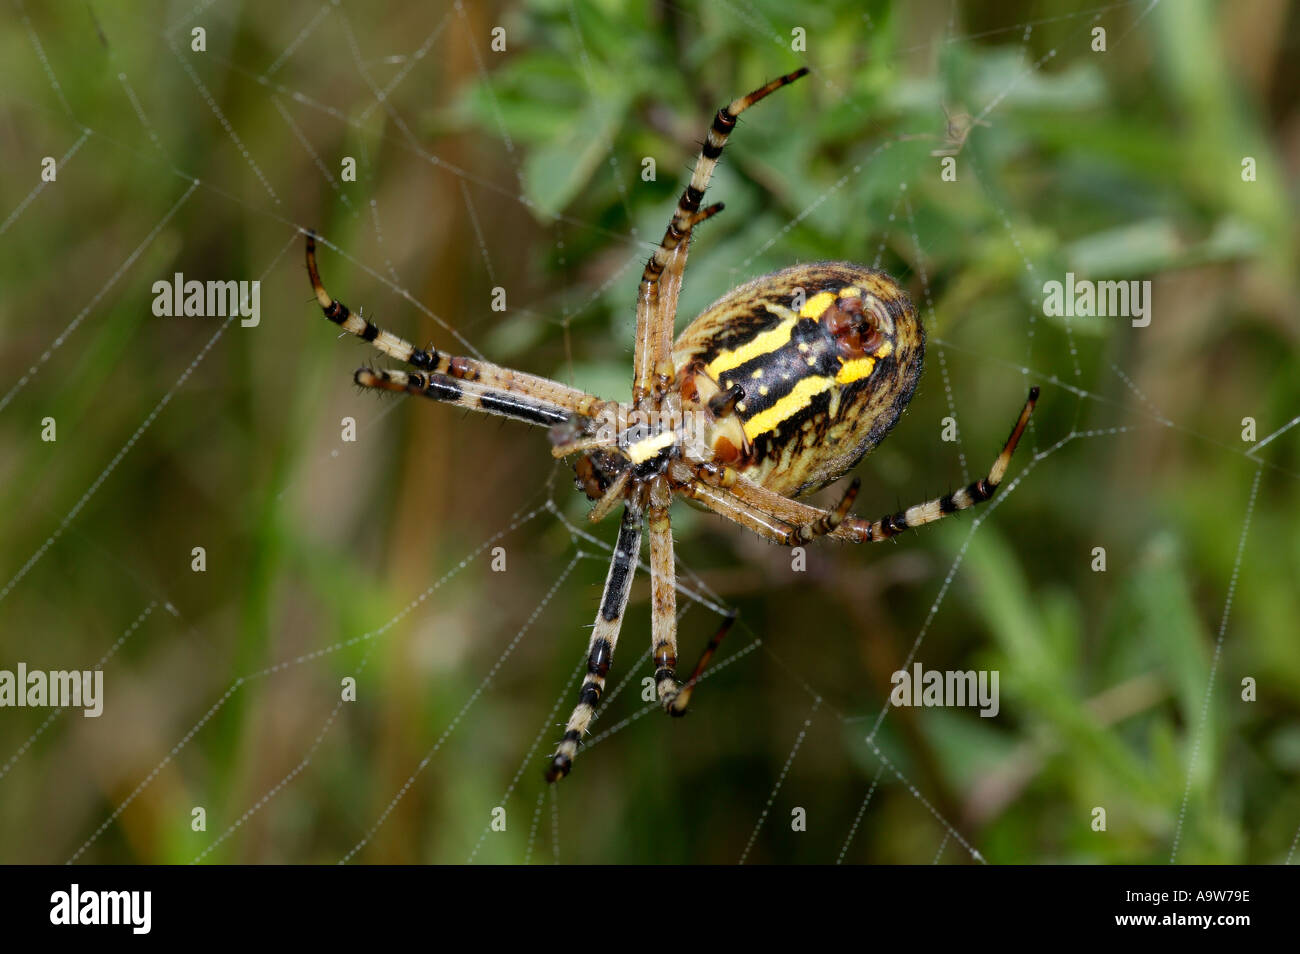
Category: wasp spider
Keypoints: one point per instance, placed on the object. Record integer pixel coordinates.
(776, 390)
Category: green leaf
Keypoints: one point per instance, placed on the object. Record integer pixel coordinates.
(555, 173)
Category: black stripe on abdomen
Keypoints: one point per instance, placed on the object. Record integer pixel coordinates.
(781, 370)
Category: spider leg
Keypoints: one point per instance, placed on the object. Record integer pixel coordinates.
(758, 518)
(662, 279)
(828, 521)
(582, 445)
(470, 395)
(677, 705)
(768, 514)
(604, 637)
(656, 312)
(663, 593)
(431, 360)
(663, 598)
(788, 522)
(858, 530)
(606, 504)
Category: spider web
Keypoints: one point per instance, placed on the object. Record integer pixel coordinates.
(475, 742)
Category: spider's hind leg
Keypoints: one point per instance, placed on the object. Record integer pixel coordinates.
(829, 521)
(676, 705)
(790, 522)
(859, 530)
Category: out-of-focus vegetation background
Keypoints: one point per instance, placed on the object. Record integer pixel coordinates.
(523, 169)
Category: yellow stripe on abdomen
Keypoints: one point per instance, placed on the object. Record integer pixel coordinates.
(855, 370)
(799, 397)
(859, 368)
(817, 304)
(770, 340)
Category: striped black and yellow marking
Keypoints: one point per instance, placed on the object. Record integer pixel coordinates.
(604, 638)
(810, 410)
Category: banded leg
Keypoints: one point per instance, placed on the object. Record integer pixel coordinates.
(431, 360)
(863, 531)
(663, 593)
(470, 395)
(656, 308)
(829, 521)
(604, 637)
(663, 598)
(662, 278)
(774, 516)
(677, 705)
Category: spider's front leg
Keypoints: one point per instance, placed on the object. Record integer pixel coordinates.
(662, 279)
(604, 637)
(477, 385)
(467, 394)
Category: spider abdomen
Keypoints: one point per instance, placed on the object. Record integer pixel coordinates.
(802, 371)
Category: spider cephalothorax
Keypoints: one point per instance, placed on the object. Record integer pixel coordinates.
(777, 389)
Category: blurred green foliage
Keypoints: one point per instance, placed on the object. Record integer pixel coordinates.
(1120, 689)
